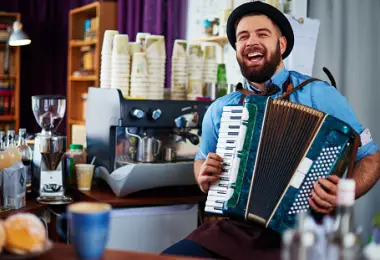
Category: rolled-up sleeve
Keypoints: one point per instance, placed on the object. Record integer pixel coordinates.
(327, 99)
(209, 136)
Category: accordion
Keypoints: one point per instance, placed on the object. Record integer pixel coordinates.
(273, 151)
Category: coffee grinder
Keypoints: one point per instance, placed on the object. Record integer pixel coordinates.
(49, 149)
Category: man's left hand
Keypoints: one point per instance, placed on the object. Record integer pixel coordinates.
(324, 194)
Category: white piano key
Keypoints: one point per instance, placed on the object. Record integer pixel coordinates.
(213, 210)
(241, 137)
(225, 177)
(245, 114)
(226, 142)
(228, 129)
(230, 135)
(234, 169)
(218, 199)
(215, 204)
(232, 108)
(215, 193)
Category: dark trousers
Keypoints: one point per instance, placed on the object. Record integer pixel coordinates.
(190, 248)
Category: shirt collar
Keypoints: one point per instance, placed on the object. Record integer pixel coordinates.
(278, 79)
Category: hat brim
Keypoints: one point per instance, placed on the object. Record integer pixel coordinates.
(261, 8)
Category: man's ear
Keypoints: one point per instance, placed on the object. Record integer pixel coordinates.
(283, 44)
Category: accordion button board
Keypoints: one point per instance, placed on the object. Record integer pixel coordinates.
(227, 140)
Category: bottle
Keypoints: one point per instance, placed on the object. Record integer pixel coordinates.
(299, 243)
(12, 149)
(5, 160)
(74, 156)
(343, 241)
(26, 158)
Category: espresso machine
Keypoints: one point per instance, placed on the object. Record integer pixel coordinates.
(142, 144)
(49, 150)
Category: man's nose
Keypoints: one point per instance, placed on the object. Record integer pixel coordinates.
(252, 40)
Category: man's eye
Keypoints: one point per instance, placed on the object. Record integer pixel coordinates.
(242, 38)
(263, 35)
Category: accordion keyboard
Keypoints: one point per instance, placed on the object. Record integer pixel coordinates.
(228, 134)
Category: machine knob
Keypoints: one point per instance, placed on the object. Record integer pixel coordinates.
(137, 113)
(156, 114)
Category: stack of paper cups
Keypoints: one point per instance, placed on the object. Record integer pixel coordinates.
(141, 39)
(179, 75)
(195, 71)
(139, 76)
(133, 48)
(156, 58)
(120, 64)
(210, 69)
(106, 59)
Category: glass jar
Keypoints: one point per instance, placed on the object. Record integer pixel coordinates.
(74, 156)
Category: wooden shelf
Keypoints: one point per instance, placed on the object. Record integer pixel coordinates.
(221, 40)
(105, 15)
(83, 9)
(7, 118)
(11, 76)
(83, 78)
(76, 122)
(79, 43)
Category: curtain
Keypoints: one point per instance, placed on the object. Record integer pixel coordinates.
(164, 17)
(44, 61)
(348, 44)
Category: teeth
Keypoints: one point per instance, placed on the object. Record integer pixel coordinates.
(254, 54)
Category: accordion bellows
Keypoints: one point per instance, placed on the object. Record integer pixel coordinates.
(273, 152)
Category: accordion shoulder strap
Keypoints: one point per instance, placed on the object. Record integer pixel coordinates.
(289, 88)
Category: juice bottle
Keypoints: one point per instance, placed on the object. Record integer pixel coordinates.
(5, 160)
(12, 149)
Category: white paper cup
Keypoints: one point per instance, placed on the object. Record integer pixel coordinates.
(108, 41)
(120, 44)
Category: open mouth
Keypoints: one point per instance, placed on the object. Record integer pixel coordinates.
(255, 56)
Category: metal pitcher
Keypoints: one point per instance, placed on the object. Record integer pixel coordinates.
(147, 148)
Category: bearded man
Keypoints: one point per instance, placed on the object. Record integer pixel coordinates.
(263, 38)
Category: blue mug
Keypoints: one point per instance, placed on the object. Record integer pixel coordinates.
(88, 225)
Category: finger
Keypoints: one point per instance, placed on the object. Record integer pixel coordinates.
(330, 186)
(320, 202)
(323, 194)
(316, 208)
(333, 178)
(214, 156)
(214, 163)
(211, 170)
(207, 179)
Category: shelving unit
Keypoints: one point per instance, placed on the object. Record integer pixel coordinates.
(221, 41)
(11, 118)
(106, 16)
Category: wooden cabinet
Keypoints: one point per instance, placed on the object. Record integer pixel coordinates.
(9, 84)
(86, 30)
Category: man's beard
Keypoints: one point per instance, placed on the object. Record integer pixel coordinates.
(264, 72)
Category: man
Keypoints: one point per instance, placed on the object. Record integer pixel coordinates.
(263, 37)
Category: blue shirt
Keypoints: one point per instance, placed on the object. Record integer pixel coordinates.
(318, 94)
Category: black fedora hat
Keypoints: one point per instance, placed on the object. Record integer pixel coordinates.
(266, 9)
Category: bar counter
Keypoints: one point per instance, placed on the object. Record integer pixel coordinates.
(66, 252)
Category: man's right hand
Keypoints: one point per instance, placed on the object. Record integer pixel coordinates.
(209, 171)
